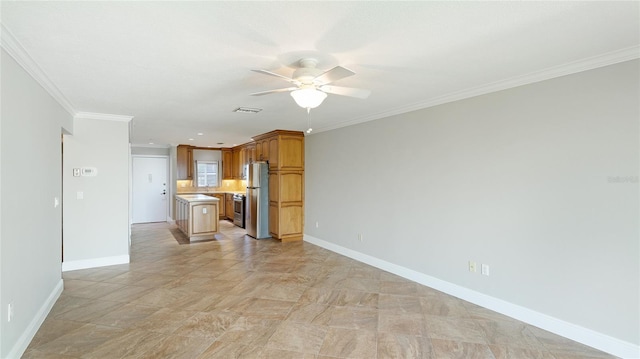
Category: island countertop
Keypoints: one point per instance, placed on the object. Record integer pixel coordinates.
(197, 198)
(208, 193)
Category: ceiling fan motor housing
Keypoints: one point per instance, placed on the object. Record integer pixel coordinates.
(307, 71)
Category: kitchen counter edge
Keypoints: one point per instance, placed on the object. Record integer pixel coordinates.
(197, 198)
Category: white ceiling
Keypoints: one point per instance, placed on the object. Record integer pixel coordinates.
(180, 68)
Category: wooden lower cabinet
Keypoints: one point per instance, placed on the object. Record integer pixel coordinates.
(228, 205)
(291, 222)
(274, 218)
(203, 218)
(286, 205)
(182, 214)
(197, 216)
(221, 198)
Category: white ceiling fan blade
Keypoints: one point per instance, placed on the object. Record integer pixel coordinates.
(332, 75)
(346, 91)
(273, 91)
(276, 75)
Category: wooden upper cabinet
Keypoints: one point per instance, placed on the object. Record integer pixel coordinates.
(291, 153)
(273, 152)
(250, 154)
(227, 164)
(258, 156)
(242, 160)
(235, 168)
(283, 149)
(262, 150)
(184, 161)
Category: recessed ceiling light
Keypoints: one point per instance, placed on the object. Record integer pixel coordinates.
(247, 110)
(191, 139)
(200, 133)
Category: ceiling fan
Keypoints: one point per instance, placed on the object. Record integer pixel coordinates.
(312, 84)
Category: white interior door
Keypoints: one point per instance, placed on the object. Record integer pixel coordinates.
(149, 194)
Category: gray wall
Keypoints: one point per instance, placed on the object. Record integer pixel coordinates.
(30, 178)
(539, 182)
(150, 151)
(207, 155)
(96, 228)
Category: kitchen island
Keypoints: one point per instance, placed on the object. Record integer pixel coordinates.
(197, 216)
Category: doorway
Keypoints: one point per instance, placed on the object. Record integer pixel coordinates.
(149, 189)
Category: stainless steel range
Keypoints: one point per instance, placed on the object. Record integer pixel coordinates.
(238, 209)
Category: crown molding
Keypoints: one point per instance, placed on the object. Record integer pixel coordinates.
(9, 43)
(101, 116)
(590, 63)
(13, 47)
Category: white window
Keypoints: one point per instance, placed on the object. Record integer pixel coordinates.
(207, 174)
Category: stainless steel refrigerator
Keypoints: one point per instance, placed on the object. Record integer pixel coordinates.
(257, 213)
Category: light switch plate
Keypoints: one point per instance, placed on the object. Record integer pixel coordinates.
(485, 269)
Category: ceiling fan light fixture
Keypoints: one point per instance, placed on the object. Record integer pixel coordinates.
(308, 97)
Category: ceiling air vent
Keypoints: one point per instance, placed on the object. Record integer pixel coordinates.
(247, 110)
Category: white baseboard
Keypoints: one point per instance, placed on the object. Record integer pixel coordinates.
(574, 332)
(23, 342)
(94, 262)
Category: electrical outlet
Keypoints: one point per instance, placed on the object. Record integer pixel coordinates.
(485, 269)
(317, 224)
(472, 266)
(360, 237)
(9, 312)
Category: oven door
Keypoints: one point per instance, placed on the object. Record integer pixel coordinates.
(238, 212)
(238, 207)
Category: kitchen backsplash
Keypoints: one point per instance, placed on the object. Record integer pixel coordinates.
(186, 186)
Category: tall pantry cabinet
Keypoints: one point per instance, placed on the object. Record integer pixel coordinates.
(285, 152)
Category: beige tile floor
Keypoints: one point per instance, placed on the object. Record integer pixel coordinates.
(241, 298)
